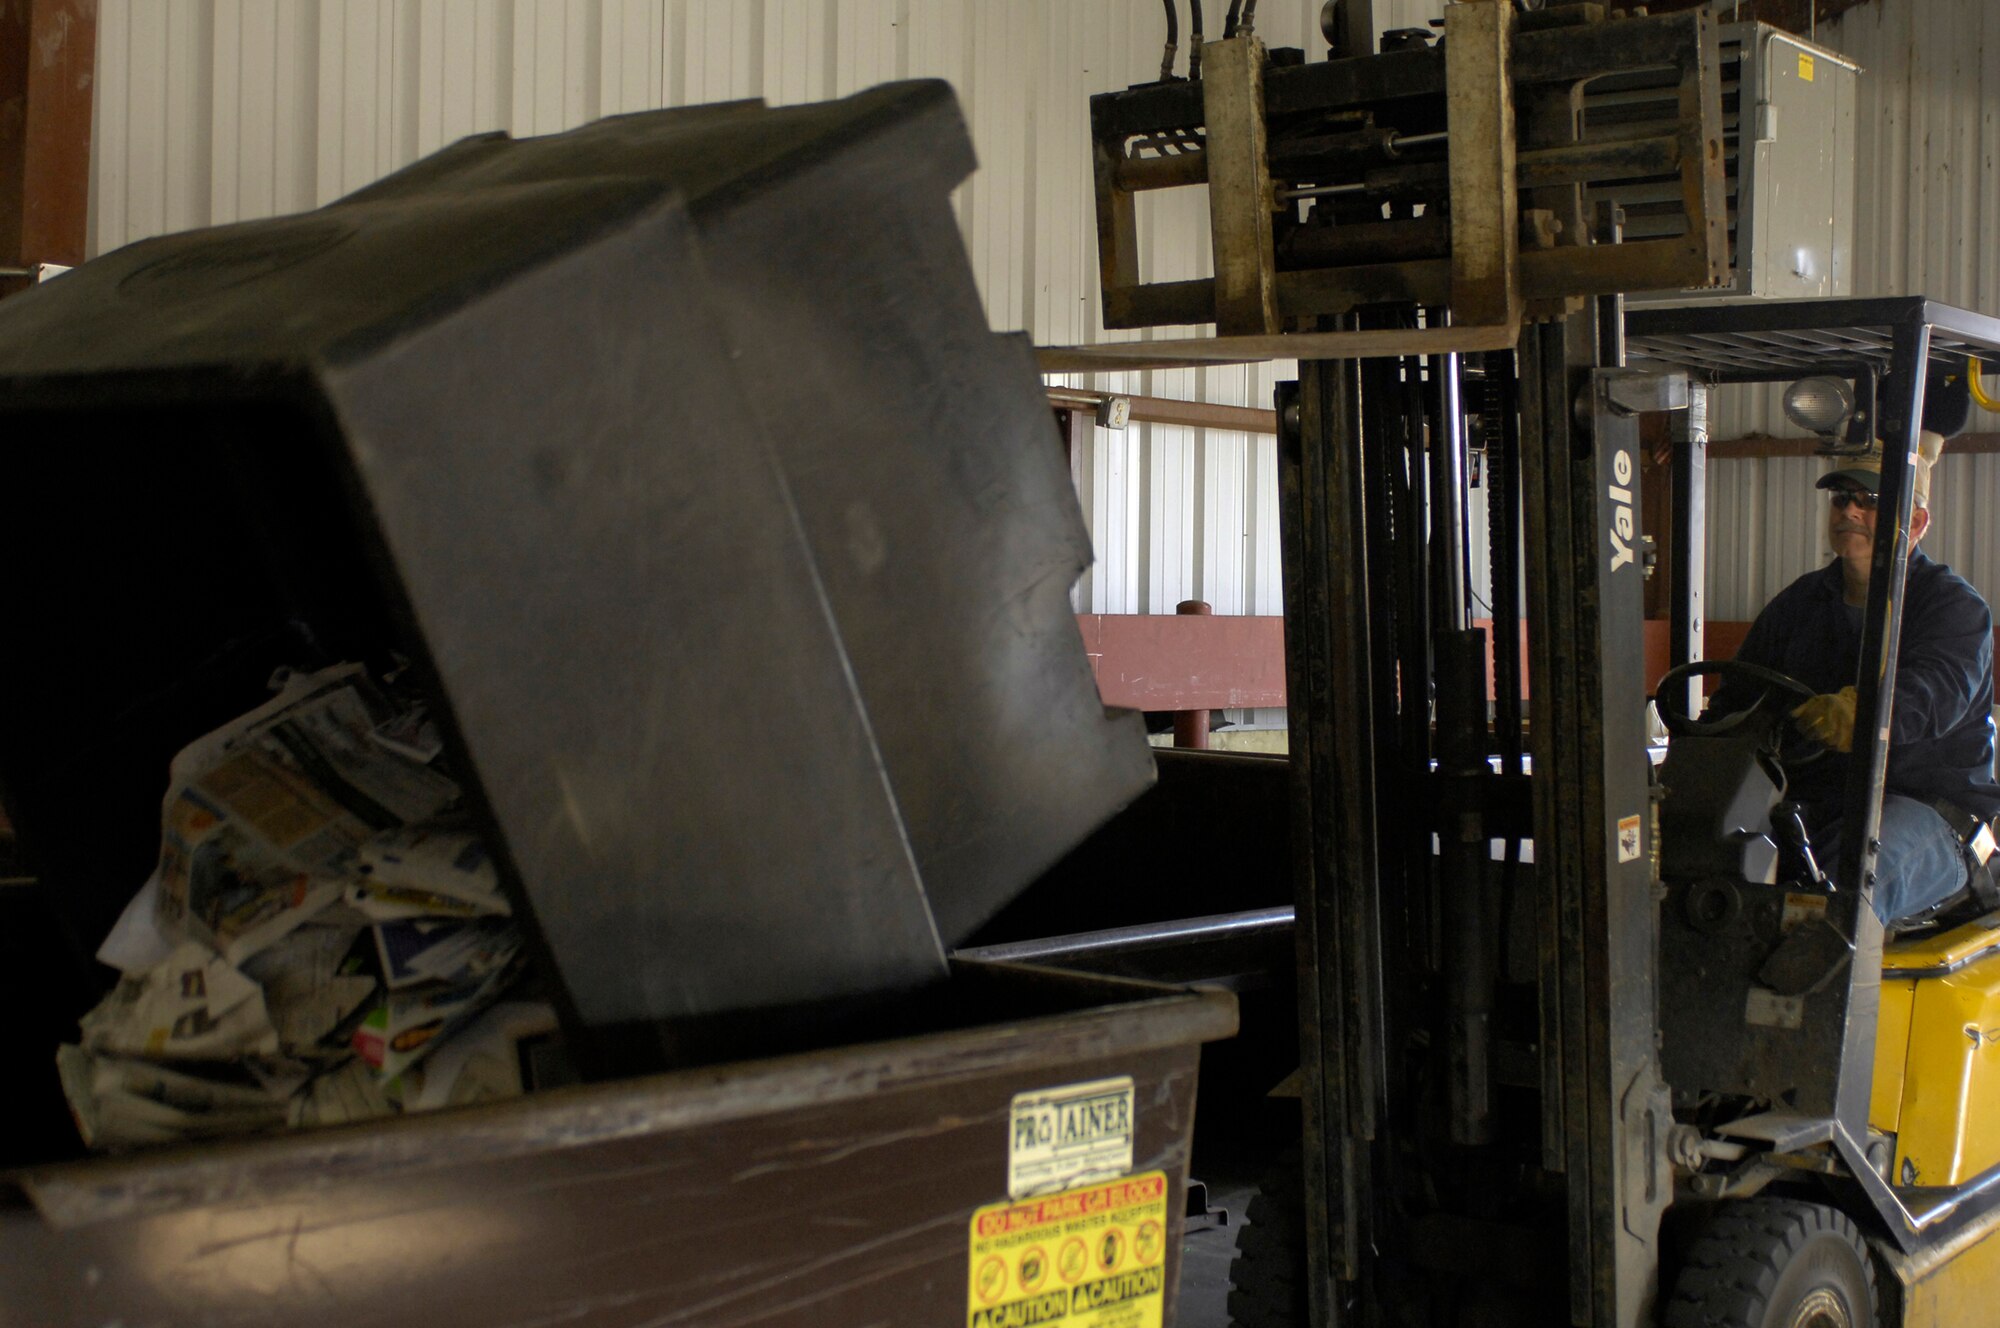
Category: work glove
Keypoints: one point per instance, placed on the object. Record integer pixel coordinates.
(1829, 719)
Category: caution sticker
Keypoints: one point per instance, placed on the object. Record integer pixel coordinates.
(1802, 908)
(1093, 1257)
(1628, 838)
(1062, 1137)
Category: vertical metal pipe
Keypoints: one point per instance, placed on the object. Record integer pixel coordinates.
(1191, 726)
(1502, 430)
(1611, 308)
(1503, 524)
(1690, 518)
(1414, 870)
(1503, 538)
(1875, 693)
(1448, 497)
(1471, 949)
(1882, 620)
(1393, 420)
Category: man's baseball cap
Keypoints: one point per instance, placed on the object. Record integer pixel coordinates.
(1866, 471)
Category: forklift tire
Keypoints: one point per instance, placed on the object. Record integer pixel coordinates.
(1267, 1279)
(1775, 1263)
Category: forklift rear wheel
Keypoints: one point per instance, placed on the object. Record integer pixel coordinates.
(1268, 1279)
(1775, 1263)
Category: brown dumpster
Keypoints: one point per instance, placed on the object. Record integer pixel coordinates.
(867, 1184)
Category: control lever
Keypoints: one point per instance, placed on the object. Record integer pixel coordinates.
(1793, 822)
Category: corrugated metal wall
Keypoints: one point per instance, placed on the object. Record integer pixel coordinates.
(211, 111)
(217, 110)
(1928, 223)
(1767, 526)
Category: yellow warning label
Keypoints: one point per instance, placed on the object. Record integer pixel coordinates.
(1093, 1257)
(1805, 67)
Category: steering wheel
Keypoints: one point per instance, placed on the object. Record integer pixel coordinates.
(1671, 699)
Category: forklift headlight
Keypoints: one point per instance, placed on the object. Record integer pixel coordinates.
(1820, 405)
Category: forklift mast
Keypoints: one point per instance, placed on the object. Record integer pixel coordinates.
(1527, 987)
(1478, 1033)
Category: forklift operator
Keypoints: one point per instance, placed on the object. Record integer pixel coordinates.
(1940, 790)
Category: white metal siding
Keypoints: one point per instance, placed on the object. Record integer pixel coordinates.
(1767, 527)
(211, 111)
(219, 110)
(1928, 223)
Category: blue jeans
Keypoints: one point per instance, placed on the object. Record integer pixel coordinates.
(1921, 863)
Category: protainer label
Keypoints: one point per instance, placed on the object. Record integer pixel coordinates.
(1093, 1257)
(1062, 1137)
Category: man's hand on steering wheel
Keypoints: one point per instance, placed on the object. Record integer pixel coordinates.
(1775, 689)
(1828, 719)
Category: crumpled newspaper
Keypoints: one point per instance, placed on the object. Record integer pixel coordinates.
(265, 818)
(313, 982)
(319, 923)
(192, 1006)
(123, 1102)
(426, 871)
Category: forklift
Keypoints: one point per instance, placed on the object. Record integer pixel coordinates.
(1623, 1042)
(1578, 1043)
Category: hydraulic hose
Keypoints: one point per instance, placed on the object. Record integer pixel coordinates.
(1173, 41)
(1972, 380)
(1194, 41)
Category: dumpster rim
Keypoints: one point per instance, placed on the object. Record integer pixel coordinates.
(1155, 1017)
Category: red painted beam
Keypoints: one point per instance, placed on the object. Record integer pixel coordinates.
(1176, 662)
(1163, 662)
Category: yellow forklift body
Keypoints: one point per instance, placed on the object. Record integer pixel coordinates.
(1937, 1056)
(1953, 1285)
(1892, 1051)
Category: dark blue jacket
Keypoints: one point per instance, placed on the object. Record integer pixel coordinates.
(1941, 731)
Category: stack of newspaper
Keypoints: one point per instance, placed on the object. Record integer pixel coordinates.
(322, 927)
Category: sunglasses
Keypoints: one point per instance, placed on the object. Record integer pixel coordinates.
(1845, 498)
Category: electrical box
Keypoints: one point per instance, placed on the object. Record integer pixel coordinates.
(1788, 118)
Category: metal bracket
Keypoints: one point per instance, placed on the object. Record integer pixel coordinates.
(1785, 1133)
(1485, 208)
(1239, 188)
(1631, 393)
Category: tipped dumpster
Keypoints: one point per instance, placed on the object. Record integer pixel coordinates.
(718, 557)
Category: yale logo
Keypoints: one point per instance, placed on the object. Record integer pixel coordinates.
(1622, 530)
